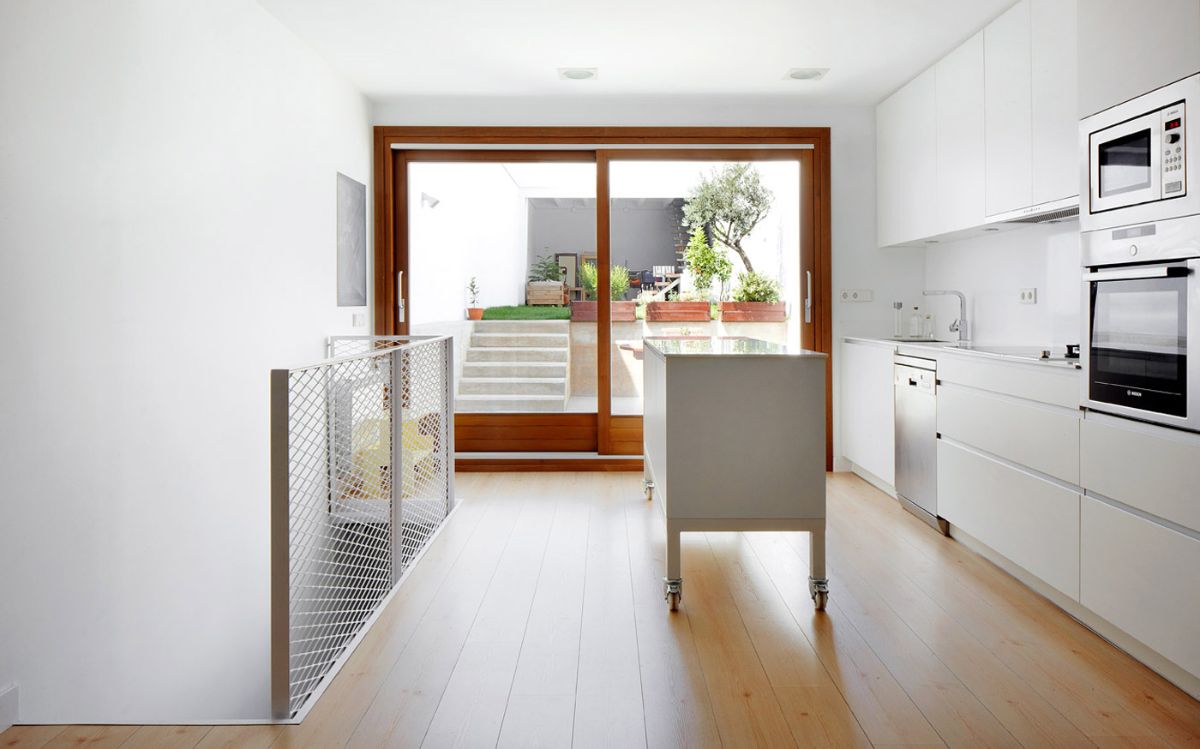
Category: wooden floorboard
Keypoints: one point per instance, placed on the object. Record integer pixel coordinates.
(536, 619)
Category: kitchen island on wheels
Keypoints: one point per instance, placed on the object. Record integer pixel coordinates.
(735, 441)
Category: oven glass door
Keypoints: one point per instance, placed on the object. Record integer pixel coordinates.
(1126, 165)
(1139, 344)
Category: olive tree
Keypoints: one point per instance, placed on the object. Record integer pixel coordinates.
(730, 201)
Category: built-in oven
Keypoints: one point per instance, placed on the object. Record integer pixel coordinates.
(1136, 164)
(1141, 295)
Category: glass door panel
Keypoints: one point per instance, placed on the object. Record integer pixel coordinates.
(690, 238)
(494, 253)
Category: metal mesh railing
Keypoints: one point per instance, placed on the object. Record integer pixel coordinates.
(361, 479)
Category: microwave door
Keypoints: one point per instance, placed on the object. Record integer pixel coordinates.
(1126, 164)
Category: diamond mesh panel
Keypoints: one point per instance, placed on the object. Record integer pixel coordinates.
(351, 531)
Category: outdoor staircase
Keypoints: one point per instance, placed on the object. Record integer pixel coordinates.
(515, 366)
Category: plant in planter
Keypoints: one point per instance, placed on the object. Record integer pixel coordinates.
(474, 311)
(618, 284)
(729, 202)
(684, 307)
(545, 268)
(706, 263)
(756, 299)
(546, 282)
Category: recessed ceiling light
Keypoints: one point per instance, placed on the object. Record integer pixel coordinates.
(806, 74)
(578, 74)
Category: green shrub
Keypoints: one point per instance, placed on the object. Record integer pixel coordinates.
(618, 281)
(545, 268)
(705, 261)
(755, 287)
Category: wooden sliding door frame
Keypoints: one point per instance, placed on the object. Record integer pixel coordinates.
(396, 147)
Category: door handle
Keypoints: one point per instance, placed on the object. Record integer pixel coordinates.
(808, 297)
(399, 297)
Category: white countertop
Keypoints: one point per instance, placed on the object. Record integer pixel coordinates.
(722, 346)
(1017, 354)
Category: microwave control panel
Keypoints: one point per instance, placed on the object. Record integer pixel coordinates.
(1174, 156)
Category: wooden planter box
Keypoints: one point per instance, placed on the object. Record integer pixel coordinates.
(545, 292)
(753, 311)
(588, 312)
(678, 312)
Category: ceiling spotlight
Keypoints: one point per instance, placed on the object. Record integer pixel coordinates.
(806, 74)
(578, 74)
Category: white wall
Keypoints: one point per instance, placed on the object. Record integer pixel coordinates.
(991, 270)
(167, 225)
(477, 229)
(857, 263)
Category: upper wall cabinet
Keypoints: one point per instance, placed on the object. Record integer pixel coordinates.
(1054, 64)
(1127, 49)
(906, 158)
(960, 141)
(1008, 98)
(1003, 132)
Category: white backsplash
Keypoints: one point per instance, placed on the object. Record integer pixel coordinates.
(992, 269)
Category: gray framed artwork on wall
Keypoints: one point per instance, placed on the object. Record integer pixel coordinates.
(351, 242)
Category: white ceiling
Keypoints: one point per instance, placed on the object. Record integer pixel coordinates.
(396, 48)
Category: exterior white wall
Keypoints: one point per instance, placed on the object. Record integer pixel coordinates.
(478, 228)
(991, 270)
(167, 219)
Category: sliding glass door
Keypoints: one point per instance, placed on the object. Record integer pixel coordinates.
(550, 269)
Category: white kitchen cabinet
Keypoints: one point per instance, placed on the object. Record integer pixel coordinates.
(960, 137)
(1141, 576)
(906, 159)
(1153, 469)
(1044, 438)
(868, 408)
(1055, 127)
(1127, 49)
(1030, 521)
(1008, 97)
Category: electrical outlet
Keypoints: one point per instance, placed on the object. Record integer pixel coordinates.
(857, 295)
(358, 319)
(1028, 296)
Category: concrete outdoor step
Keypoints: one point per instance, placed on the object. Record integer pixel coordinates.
(520, 340)
(513, 386)
(523, 326)
(514, 369)
(509, 403)
(511, 354)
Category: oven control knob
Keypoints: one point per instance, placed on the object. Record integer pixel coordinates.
(1173, 138)
(1132, 250)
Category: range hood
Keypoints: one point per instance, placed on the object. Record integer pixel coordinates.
(1043, 213)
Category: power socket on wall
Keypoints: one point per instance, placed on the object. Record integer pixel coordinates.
(857, 295)
(1028, 296)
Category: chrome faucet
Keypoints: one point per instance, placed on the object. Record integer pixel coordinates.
(960, 325)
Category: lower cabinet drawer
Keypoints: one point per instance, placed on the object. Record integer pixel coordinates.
(1031, 521)
(1143, 578)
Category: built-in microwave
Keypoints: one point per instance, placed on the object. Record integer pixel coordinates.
(1141, 337)
(1136, 165)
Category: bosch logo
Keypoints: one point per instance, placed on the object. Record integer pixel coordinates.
(1133, 393)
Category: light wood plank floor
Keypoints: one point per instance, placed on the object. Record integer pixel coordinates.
(536, 619)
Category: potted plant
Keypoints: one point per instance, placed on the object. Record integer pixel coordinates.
(546, 282)
(684, 307)
(474, 311)
(706, 263)
(756, 299)
(618, 284)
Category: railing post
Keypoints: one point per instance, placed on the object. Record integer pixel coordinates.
(280, 546)
(448, 420)
(397, 458)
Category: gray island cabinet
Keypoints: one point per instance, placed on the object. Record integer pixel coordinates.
(735, 441)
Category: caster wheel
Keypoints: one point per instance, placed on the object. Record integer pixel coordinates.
(673, 601)
(819, 599)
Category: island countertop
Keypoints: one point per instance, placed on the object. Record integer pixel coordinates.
(723, 346)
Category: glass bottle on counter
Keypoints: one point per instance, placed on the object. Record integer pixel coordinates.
(915, 323)
(927, 331)
(898, 328)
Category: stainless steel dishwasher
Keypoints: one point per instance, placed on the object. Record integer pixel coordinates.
(916, 438)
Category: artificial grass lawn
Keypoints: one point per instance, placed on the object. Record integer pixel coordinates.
(527, 312)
